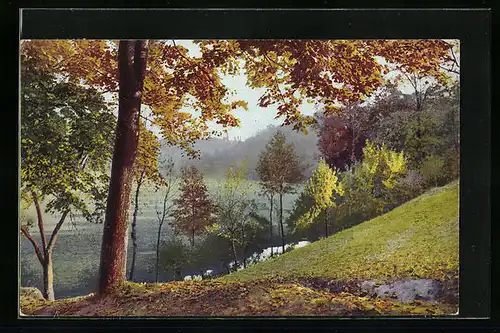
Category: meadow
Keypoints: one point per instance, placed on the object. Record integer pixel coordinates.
(77, 250)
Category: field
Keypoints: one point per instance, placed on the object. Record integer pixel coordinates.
(77, 251)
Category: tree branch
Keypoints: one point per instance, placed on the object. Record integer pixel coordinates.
(146, 118)
(27, 234)
(186, 58)
(452, 70)
(454, 58)
(55, 232)
(275, 79)
(40, 220)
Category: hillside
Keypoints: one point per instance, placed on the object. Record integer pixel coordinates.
(415, 246)
(419, 240)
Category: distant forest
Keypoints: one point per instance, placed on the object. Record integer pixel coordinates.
(218, 154)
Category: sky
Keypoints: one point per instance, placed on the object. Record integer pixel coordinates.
(256, 118)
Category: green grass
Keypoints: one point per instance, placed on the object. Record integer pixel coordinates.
(418, 239)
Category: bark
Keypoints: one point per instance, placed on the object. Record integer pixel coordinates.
(134, 226)
(281, 225)
(48, 277)
(132, 57)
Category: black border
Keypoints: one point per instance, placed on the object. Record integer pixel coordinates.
(472, 27)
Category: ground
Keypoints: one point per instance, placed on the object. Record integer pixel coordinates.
(221, 299)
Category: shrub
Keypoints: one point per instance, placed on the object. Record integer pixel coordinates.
(432, 169)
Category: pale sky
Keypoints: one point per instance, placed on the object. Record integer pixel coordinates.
(256, 118)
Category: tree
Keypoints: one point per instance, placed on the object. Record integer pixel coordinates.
(169, 183)
(233, 207)
(366, 184)
(279, 170)
(145, 168)
(193, 212)
(269, 194)
(132, 56)
(423, 83)
(66, 134)
(342, 136)
(321, 187)
(291, 71)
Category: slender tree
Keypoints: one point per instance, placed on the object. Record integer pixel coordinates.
(66, 135)
(321, 188)
(280, 170)
(145, 169)
(168, 185)
(193, 211)
(234, 204)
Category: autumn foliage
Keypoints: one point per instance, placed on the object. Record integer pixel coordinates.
(194, 207)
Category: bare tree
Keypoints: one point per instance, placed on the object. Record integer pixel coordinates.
(169, 182)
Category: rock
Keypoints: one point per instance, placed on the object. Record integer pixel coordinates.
(32, 293)
(408, 290)
(368, 287)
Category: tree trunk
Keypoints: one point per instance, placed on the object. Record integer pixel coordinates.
(326, 222)
(334, 220)
(48, 277)
(233, 246)
(158, 251)
(420, 154)
(281, 225)
(132, 57)
(177, 274)
(192, 239)
(271, 225)
(134, 225)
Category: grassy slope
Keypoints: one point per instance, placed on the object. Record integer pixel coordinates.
(418, 239)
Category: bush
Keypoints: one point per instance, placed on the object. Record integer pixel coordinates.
(174, 256)
(432, 169)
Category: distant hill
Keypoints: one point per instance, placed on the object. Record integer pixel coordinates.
(217, 154)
